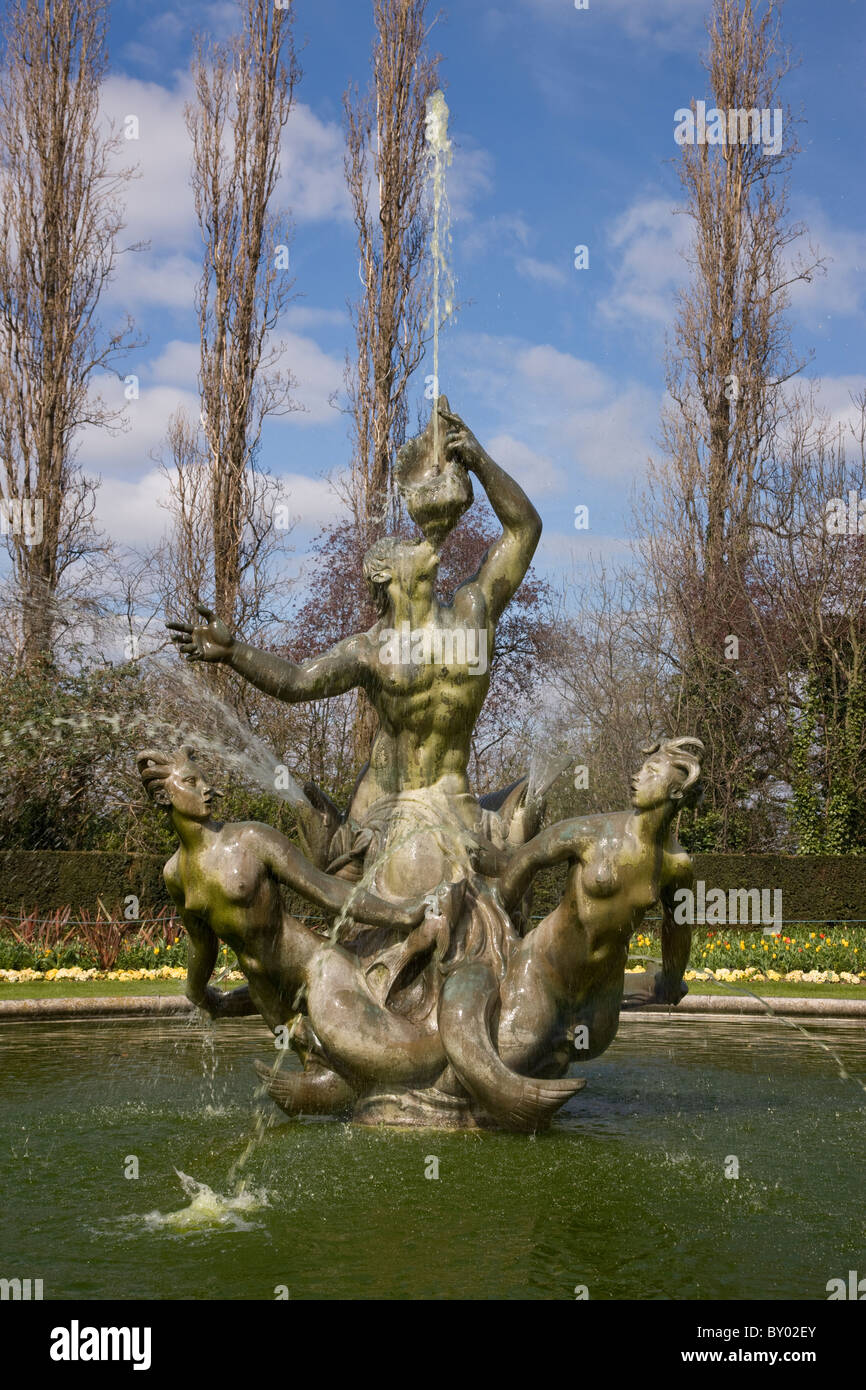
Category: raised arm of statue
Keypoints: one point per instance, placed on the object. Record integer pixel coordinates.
(506, 562)
(333, 673)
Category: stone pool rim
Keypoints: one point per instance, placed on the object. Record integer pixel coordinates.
(176, 1005)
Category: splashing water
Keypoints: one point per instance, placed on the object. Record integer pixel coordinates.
(439, 156)
(207, 1208)
(215, 728)
(187, 708)
(736, 988)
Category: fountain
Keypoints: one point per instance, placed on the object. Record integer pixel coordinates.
(428, 1003)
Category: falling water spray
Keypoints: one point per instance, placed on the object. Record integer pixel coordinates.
(439, 154)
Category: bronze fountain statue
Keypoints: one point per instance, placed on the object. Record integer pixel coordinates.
(432, 1001)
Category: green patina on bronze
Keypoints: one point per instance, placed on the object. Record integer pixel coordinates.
(430, 1001)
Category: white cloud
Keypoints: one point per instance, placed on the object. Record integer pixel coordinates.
(842, 289)
(171, 29)
(543, 272)
(470, 177)
(649, 240)
(313, 502)
(133, 512)
(177, 364)
(129, 509)
(559, 375)
(159, 205)
(577, 420)
(300, 315)
(312, 182)
(159, 201)
(612, 439)
(671, 24)
(833, 395)
(535, 473)
(504, 232)
(579, 547)
(146, 277)
(318, 376)
(147, 420)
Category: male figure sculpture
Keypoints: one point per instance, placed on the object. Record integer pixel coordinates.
(500, 1007)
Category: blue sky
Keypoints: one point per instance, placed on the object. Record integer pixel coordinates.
(563, 125)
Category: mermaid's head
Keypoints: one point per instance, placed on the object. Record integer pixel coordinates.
(176, 780)
(671, 771)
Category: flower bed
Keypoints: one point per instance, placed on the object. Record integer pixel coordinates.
(833, 956)
(61, 946)
(79, 976)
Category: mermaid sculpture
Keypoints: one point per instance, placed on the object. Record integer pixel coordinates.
(435, 1008)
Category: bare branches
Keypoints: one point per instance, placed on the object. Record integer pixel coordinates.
(244, 90)
(60, 216)
(385, 162)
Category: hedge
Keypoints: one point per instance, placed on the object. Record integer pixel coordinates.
(819, 887)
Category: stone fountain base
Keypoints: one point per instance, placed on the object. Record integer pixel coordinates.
(428, 1109)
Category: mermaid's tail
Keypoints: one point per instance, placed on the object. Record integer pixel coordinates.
(314, 1091)
(466, 1007)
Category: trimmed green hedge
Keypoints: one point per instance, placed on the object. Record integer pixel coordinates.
(48, 879)
(817, 887)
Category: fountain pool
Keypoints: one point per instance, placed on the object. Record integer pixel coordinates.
(626, 1194)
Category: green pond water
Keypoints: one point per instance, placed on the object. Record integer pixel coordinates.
(627, 1195)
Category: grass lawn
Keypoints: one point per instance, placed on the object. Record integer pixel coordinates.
(88, 989)
(772, 988)
(112, 989)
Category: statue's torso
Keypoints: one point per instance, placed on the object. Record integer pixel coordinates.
(231, 891)
(427, 709)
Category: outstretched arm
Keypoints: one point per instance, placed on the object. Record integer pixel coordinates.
(568, 839)
(508, 559)
(293, 868)
(333, 673)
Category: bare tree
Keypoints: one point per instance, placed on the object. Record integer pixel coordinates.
(385, 165)
(244, 90)
(60, 216)
(385, 171)
(729, 361)
(186, 559)
(807, 597)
